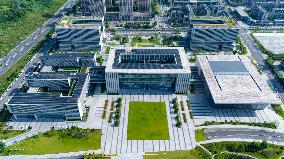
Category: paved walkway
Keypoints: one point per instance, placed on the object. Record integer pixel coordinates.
(237, 139)
(71, 155)
(114, 140)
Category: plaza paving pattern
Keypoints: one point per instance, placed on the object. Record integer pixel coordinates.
(114, 140)
(204, 111)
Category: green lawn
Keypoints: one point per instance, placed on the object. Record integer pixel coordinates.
(6, 134)
(196, 153)
(58, 141)
(199, 135)
(145, 42)
(147, 121)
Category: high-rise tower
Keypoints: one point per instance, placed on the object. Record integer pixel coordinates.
(93, 7)
(125, 9)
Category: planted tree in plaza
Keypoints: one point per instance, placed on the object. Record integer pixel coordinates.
(100, 59)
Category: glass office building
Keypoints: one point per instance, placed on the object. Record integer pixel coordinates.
(147, 69)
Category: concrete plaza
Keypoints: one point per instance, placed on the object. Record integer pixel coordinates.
(114, 140)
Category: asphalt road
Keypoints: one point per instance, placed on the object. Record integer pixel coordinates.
(19, 51)
(257, 55)
(243, 133)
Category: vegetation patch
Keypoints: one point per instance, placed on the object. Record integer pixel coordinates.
(117, 112)
(176, 111)
(261, 150)
(58, 141)
(147, 121)
(278, 109)
(197, 153)
(200, 135)
(7, 134)
(142, 42)
(18, 19)
(271, 125)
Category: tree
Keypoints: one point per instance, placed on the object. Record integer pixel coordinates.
(124, 40)
(107, 50)
(107, 25)
(2, 147)
(100, 59)
(116, 37)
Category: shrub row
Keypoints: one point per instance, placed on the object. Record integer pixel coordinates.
(105, 109)
(112, 106)
(176, 111)
(118, 112)
(184, 117)
(189, 108)
(271, 125)
(110, 117)
(181, 105)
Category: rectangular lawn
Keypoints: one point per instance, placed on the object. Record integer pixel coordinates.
(147, 121)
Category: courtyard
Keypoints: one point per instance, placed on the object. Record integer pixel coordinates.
(147, 121)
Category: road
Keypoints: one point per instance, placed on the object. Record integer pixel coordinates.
(257, 55)
(18, 81)
(241, 133)
(31, 41)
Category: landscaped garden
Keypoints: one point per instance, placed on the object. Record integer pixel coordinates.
(260, 150)
(145, 42)
(147, 121)
(58, 141)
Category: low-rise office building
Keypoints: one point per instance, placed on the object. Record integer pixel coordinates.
(42, 105)
(93, 7)
(232, 81)
(212, 37)
(147, 69)
(80, 33)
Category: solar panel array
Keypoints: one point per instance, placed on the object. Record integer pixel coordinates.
(147, 52)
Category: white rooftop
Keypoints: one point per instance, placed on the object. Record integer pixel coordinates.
(234, 84)
(273, 42)
(183, 60)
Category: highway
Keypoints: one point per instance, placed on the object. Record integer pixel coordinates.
(257, 55)
(31, 41)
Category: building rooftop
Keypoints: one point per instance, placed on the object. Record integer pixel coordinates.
(40, 98)
(233, 79)
(147, 60)
(80, 22)
(213, 22)
(51, 75)
(69, 56)
(241, 11)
